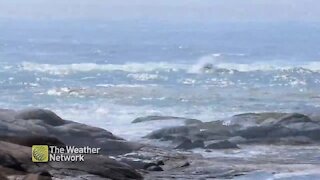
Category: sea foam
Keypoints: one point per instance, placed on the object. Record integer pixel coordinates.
(65, 69)
(205, 64)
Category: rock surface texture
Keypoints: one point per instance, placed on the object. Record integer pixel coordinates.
(277, 142)
(20, 130)
(259, 128)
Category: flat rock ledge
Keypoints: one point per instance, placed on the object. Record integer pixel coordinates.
(242, 129)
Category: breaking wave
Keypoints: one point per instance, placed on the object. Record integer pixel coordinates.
(213, 62)
(65, 69)
(204, 65)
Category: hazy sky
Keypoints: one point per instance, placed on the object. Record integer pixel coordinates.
(165, 10)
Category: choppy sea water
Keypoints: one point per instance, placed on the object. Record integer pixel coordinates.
(112, 95)
(107, 74)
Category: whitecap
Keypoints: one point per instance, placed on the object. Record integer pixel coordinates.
(146, 76)
(65, 69)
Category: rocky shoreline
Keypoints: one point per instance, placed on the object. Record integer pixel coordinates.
(192, 152)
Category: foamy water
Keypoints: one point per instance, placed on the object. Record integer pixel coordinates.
(112, 95)
(108, 73)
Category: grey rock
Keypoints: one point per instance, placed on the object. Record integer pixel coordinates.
(17, 158)
(27, 126)
(188, 144)
(186, 164)
(47, 116)
(296, 140)
(3, 176)
(263, 128)
(294, 118)
(165, 118)
(136, 164)
(237, 140)
(38, 176)
(20, 130)
(32, 140)
(154, 168)
(254, 119)
(148, 165)
(222, 145)
(160, 163)
(179, 130)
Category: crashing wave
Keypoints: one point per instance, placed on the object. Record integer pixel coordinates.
(206, 64)
(65, 69)
(209, 64)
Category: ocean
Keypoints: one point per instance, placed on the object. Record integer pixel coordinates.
(106, 74)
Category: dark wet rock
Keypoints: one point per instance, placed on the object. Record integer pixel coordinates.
(188, 144)
(146, 166)
(8, 161)
(163, 118)
(237, 140)
(3, 176)
(291, 125)
(259, 129)
(43, 126)
(264, 119)
(88, 177)
(294, 118)
(32, 140)
(207, 67)
(255, 132)
(176, 140)
(160, 163)
(296, 140)
(191, 122)
(17, 158)
(198, 144)
(208, 135)
(253, 119)
(47, 116)
(101, 166)
(222, 145)
(154, 168)
(173, 131)
(198, 133)
(20, 130)
(203, 131)
(38, 176)
(136, 164)
(278, 126)
(262, 128)
(186, 164)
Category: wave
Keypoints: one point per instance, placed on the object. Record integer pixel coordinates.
(212, 62)
(146, 76)
(65, 69)
(207, 64)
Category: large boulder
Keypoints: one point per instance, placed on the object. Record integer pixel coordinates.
(47, 116)
(16, 160)
(20, 130)
(27, 126)
(32, 140)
